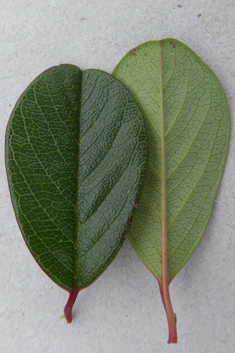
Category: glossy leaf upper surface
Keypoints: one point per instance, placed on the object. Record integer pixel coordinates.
(196, 128)
(76, 154)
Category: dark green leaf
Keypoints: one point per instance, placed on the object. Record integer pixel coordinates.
(76, 155)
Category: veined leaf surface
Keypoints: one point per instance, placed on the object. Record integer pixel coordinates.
(187, 122)
(76, 154)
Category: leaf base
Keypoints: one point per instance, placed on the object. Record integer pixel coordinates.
(69, 305)
(172, 331)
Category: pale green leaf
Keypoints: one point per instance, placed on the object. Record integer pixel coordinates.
(173, 85)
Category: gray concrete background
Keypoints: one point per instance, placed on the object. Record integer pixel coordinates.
(122, 311)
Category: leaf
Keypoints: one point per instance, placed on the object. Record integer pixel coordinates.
(76, 154)
(187, 122)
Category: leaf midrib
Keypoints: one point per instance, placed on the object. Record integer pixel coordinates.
(76, 205)
(163, 175)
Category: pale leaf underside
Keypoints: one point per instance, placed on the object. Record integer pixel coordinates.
(196, 130)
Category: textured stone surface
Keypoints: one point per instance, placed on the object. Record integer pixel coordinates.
(122, 310)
